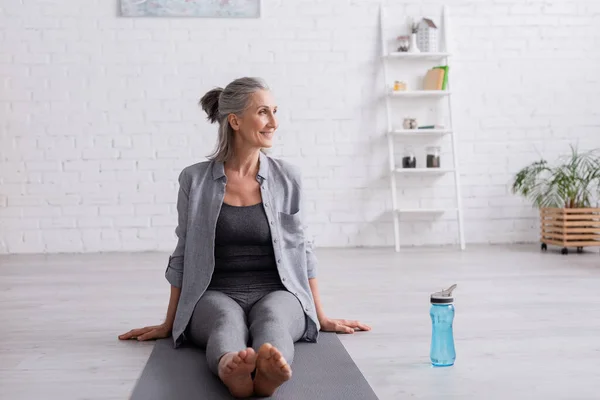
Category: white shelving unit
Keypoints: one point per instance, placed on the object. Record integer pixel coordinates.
(394, 134)
(420, 56)
(423, 171)
(420, 132)
(420, 93)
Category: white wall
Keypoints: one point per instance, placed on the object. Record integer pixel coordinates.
(98, 114)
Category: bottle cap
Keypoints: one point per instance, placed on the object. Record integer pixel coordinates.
(444, 296)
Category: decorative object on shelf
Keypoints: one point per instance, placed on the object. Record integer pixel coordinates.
(564, 193)
(409, 160)
(427, 36)
(191, 8)
(414, 48)
(410, 123)
(403, 43)
(400, 86)
(433, 157)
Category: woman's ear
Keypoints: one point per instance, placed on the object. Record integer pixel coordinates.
(234, 122)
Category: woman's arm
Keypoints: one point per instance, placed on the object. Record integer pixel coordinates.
(314, 288)
(157, 331)
(174, 271)
(329, 324)
(172, 308)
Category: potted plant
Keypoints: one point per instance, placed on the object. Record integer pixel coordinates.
(567, 195)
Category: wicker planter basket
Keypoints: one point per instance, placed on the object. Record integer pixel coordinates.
(570, 227)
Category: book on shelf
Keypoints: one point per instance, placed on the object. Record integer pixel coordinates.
(431, 127)
(445, 68)
(436, 78)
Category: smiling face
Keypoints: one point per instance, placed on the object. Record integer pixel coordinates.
(257, 124)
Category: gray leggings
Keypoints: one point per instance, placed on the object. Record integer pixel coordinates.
(223, 323)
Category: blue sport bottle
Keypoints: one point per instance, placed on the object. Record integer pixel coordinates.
(442, 351)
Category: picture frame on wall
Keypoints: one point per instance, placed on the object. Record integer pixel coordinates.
(192, 8)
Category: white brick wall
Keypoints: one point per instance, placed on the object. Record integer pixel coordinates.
(98, 115)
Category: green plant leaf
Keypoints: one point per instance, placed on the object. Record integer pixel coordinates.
(573, 183)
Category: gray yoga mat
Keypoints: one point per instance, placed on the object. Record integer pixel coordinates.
(321, 371)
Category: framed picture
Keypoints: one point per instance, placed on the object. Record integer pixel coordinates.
(192, 8)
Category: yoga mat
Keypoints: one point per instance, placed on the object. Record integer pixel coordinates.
(321, 371)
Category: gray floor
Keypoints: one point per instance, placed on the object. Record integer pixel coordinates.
(527, 323)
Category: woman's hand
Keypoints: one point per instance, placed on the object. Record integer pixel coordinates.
(342, 325)
(150, 332)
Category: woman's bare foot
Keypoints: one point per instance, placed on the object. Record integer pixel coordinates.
(235, 370)
(272, 370)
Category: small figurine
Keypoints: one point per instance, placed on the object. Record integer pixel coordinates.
(410, 123)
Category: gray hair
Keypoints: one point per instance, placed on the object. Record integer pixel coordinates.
(218, 103)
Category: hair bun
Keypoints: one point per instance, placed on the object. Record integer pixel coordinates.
(210, 104)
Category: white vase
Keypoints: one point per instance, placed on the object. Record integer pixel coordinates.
(413, 44)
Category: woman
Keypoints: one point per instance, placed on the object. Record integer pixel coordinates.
(242, 268)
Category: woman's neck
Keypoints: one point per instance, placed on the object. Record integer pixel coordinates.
(243, 163)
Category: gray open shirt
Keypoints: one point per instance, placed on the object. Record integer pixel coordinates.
(201, 193)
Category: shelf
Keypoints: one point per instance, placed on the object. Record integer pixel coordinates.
(417, 56)
(406, 206)
(424, 171)
(425, 210)
(421, 132)
(419, 93)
